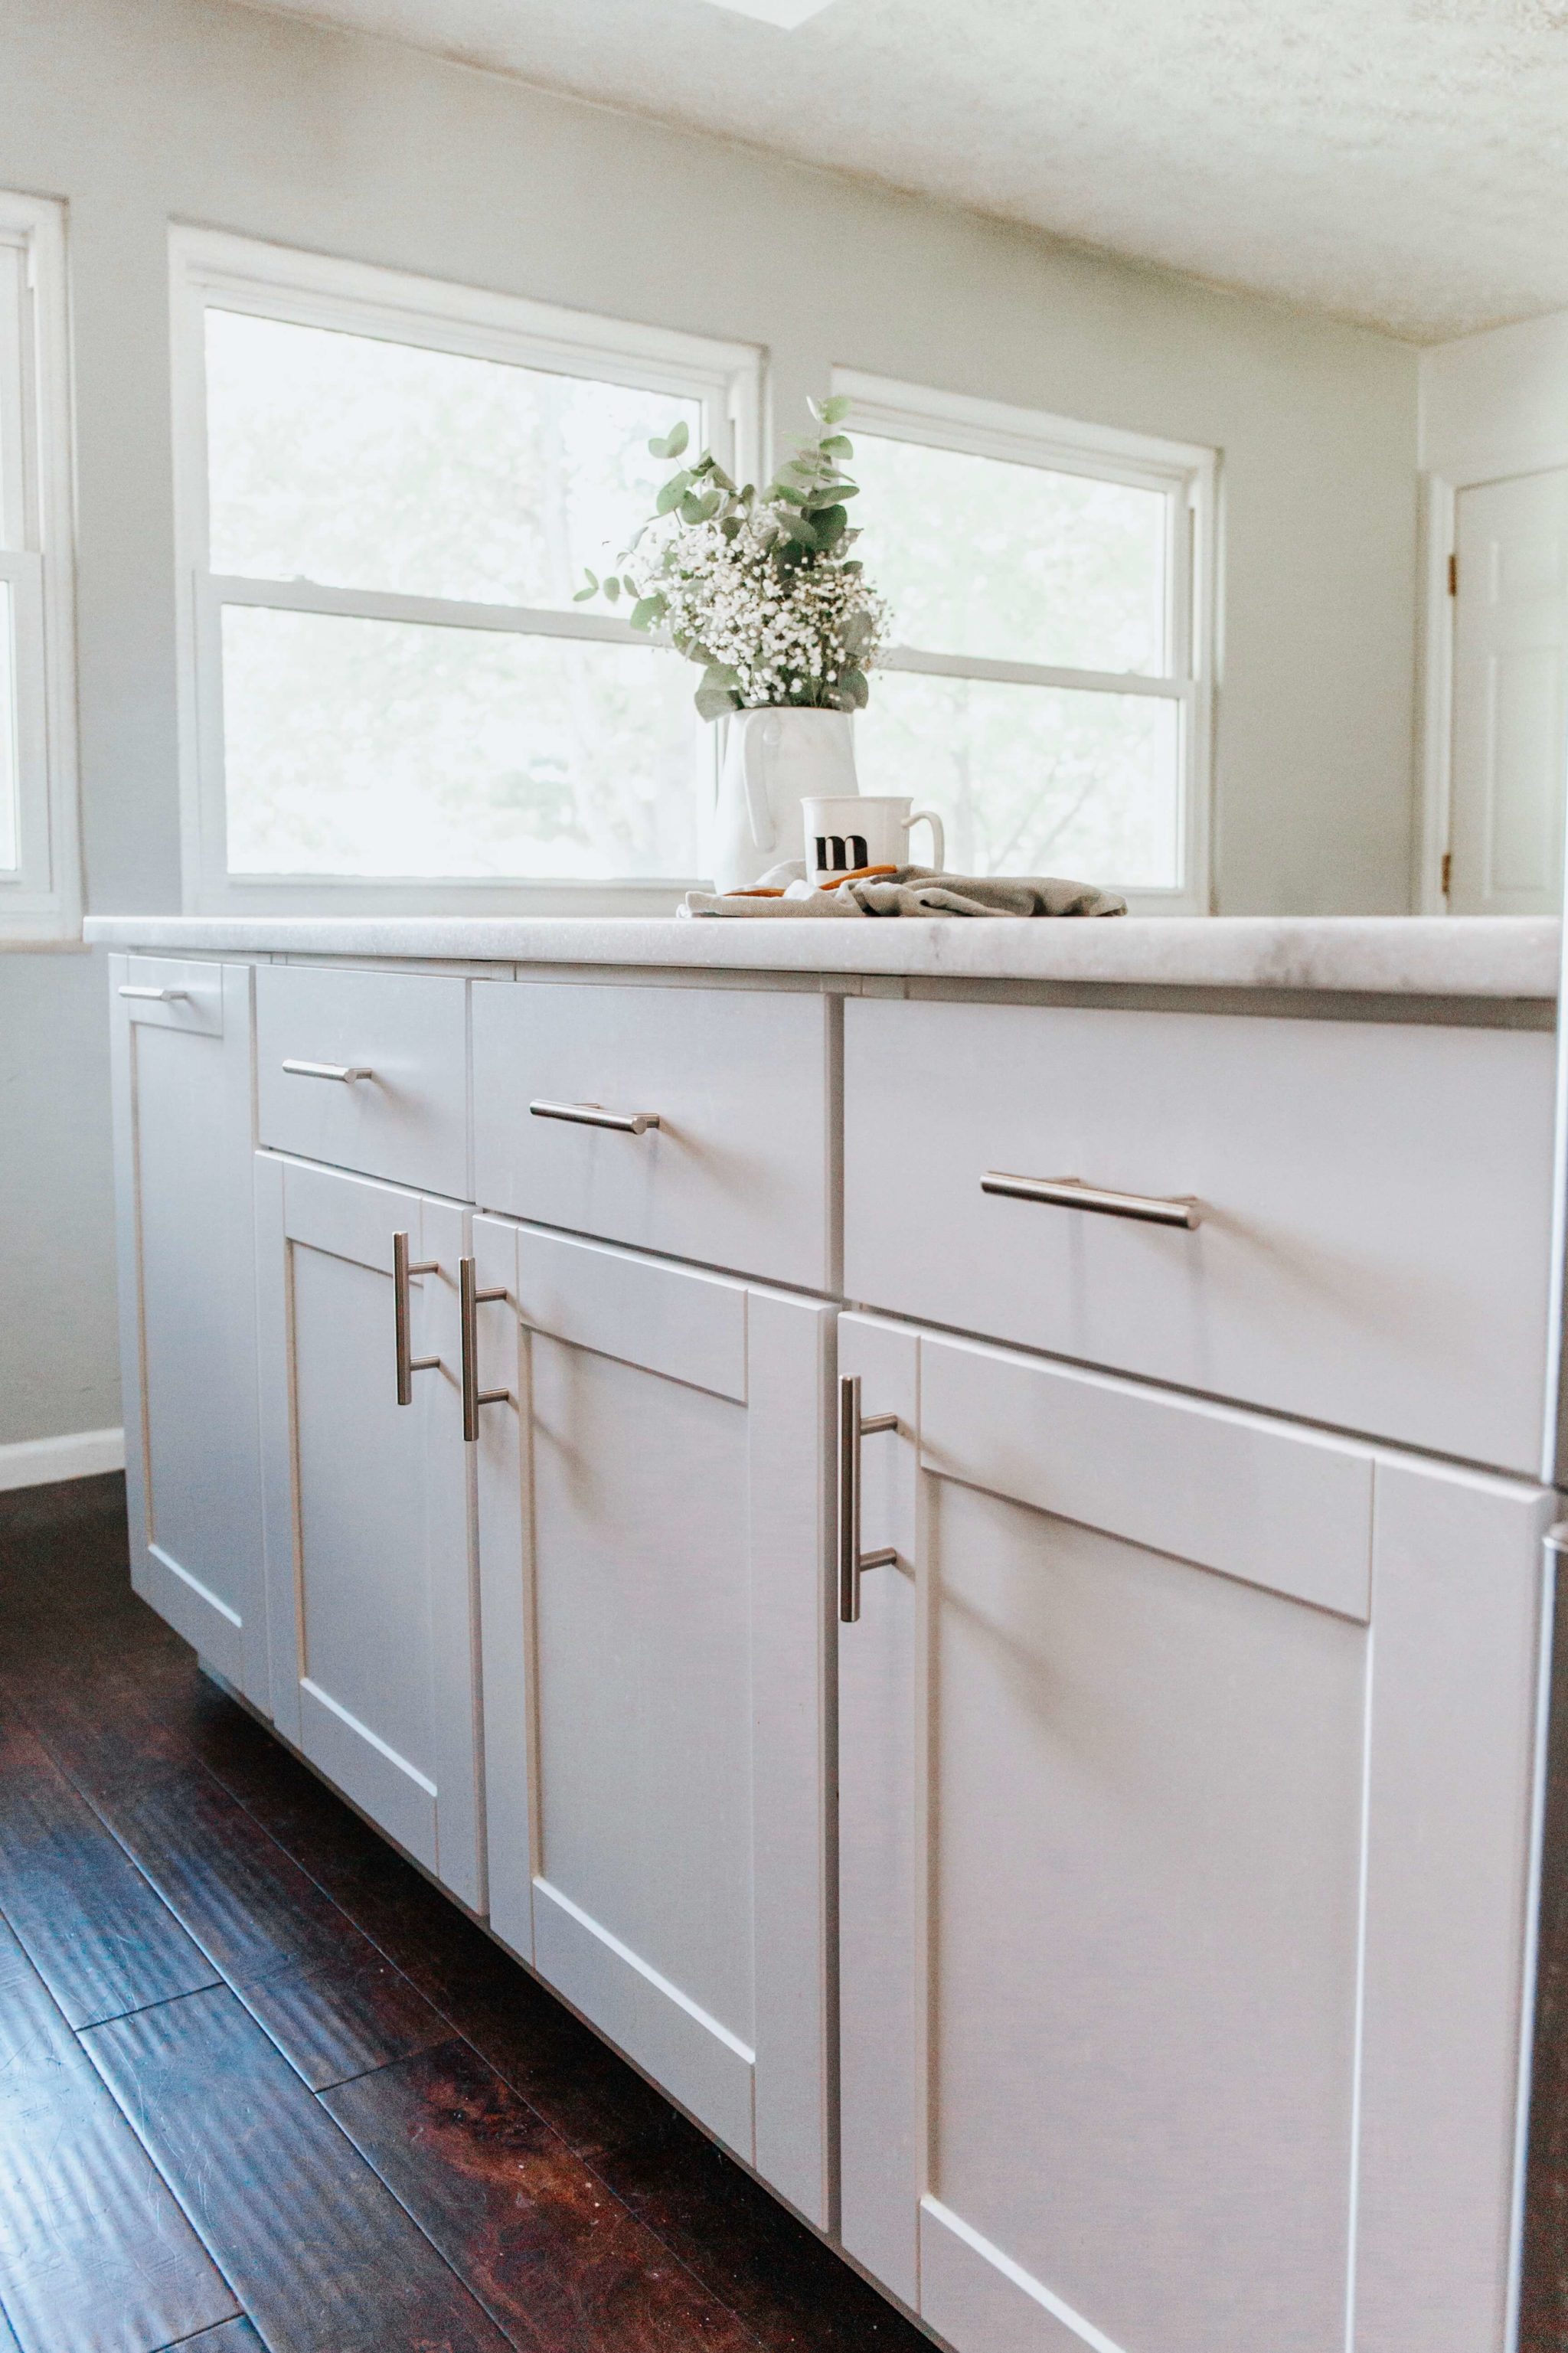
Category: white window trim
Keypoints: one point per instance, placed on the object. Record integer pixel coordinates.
(312, 290)
(41, 900)
(1188, 474)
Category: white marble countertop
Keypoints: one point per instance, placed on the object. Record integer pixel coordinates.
(1461, 956)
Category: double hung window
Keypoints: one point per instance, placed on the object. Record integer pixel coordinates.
(40, 891)
(389, 489)
(1046, 683)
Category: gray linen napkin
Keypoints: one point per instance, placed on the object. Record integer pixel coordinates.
(915, 891)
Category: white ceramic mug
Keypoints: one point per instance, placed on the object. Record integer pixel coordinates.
(872, 829)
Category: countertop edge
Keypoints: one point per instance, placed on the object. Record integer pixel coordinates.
(1513, 957)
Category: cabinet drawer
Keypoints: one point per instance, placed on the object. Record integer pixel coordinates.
(366, 1070)
(735, 1173)
(1374, 1240)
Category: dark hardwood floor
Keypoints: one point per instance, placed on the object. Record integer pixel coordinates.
(261, 2085)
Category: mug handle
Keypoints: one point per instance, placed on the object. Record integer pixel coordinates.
(754, 778)
(938, 838)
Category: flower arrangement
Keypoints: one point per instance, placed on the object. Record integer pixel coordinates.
(758, 586)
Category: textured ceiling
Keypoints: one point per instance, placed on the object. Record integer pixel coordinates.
(1400, 161)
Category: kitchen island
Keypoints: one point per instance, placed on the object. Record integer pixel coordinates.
(945, 1526)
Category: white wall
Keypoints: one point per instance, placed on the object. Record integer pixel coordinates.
(1497, 404)
(141, 111)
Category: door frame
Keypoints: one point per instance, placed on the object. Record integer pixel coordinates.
(1436, 542)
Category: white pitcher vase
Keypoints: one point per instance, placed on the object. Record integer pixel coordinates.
(774, 761)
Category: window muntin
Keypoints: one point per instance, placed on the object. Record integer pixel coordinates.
(389, 489)
(40, 890)
(1047, 684)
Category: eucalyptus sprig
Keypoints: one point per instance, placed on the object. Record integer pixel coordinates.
(758, 586)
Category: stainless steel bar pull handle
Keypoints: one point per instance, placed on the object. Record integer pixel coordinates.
(155, 996)
(852, 1561)
(1073, 1193)
(345, 1072)
(471, 1298)
(407, 1363)
(624, 1123)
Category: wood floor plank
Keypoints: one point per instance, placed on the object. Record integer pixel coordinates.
(322, 2256)
(95, 2254)
(581, 2087)
(117, 1703)
(248, 1906)
(229, 2337)
(334, 2019)
(110, 1723)
(554, 2257)
(791, 2291)
(330, 2001)
(100, 1938)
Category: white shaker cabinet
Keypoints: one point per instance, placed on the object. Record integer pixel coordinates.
(182, 1090)
(653, 1519)
(1117, 1930)
(369, 1556)
(1185, 1775)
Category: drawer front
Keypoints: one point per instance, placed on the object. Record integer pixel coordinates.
(405, 1116)
(1372, 1248)
(736, 1172)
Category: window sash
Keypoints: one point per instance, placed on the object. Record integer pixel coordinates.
(40, 895)
(1185, 474)
(218, 271)
(23, 575)
(214, 592)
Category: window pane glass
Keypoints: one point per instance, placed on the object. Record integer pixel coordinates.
(361, 464)
(383, 748)
(977, 555)
(1031, 779)
(10, 852)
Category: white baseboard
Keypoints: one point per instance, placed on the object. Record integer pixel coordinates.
(37, 1461)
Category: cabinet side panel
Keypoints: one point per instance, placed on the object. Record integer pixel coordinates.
(880, 1824)
(788, 1355)
(1457, 1589)
(183, 1119)
(1543, 2285)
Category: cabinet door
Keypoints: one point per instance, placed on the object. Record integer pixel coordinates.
(1182, 1954)
(182, 1083)
(653, 1548)
(368, 1550)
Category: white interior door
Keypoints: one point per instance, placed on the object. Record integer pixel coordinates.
(1510, 697)
(368, 1549)
(1159, 1923)
(652, 1541)
(182, 1080)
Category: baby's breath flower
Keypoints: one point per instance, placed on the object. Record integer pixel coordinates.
(778, 615)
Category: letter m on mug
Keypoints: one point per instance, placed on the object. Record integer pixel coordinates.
(840, 853)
